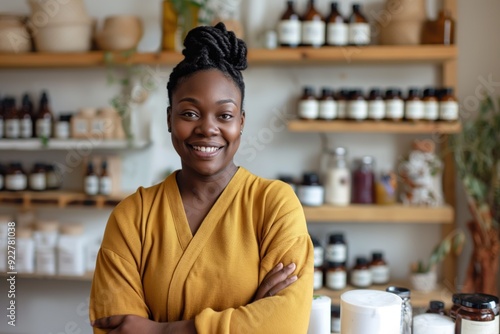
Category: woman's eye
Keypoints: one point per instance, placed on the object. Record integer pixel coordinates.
(226, 116)
(189, 114)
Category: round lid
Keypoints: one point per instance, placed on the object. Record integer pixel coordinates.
(334, 264)
(320, 301)
(326, 91)
(311, 178)
(393, 92)
(414, 91)
(361, 261)
(72, 229)
(370, 299)
(377, 255)
(400, 291)
(367, 160)
(429, 92)
(335, 309)
(47, 226)
(479, 301)
(436, 305)
(425, 322)
(340, 151)
(24, 232)
(336, 237)
(308, 90)
(375, 91)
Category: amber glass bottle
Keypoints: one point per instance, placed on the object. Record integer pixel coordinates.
(313, 27)
(445, 28)
(44, 118)
(337, 31)
(105, 183)
(359, 28)
(12, 121)
(26, 117)
(289, 27)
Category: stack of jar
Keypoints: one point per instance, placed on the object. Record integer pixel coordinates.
(42, 177)
(429, 104)
(317, 30)
(330, 266)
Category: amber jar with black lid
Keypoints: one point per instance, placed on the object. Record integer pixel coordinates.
(38, 177)
(431, 104)
(436, 307)
(337, 30)
(448, 105)
(414, 107)
(313, 27)
(45, 118)
(357, 107)
(15, 178)
(289, 27)
(26, 117)
(361, 275)
(341, 98)
(476, 314)
(327, 105)
(376, 105)
(394, 105)
(336, 276)
(12, 121)
(308, 104)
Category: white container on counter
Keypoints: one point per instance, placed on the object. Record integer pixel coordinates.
(71, 251)
(46, 235)
(320, 319)
(25, 251)
(429, 323)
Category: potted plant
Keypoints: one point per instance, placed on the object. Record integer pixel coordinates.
(477, 154)
(423, 275)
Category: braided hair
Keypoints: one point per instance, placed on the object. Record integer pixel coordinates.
(207, 48)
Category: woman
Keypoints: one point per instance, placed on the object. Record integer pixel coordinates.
(203, 251)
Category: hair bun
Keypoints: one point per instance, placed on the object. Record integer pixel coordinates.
(215, 45)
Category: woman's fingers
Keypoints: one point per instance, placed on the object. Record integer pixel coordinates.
(276, 280)
(108, 322)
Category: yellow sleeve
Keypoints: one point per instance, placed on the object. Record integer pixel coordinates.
(116, 286)
(286, 240)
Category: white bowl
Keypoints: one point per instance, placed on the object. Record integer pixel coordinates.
(64, 38)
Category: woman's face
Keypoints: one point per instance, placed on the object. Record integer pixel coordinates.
(206, 119)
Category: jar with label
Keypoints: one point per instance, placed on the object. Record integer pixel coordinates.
(44, 118)
(335, 312)
(38, 177)
(361, 276)
(318, 278)
(376, 105)
(379, 268)
(62, 128)
(406, 307)
(394, 105)
(71, 250)
(308, 104)
(26, 117)
(91, 181)
(336, 250)
(105, 182)
(414, 106)
(81, 122)
(289, 27)
(338, 179)
(46, 235)
(477, 314)
(342, 96)
(337, 30)
(357, 107)
(436, 307)
(25, 251)
(363, 182)
(336, 276)
(448, 105)
(313, 27)
(327, 105)
(431, 105)
(319, 253)
(386, 188)
(12, 121)
(15, 178)
(359, 28)
(311, 192)
(54, 179)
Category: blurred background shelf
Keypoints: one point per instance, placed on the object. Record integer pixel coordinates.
(69, 144)
(85, 278)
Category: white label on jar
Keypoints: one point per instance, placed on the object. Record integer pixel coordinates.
(25, 256)
(45, 262)
(394, 109)
(308, 109)
(327, 109)
(336, 253)
(12, 128)
(318, 279)
(1, 128)
(289, 32)
(359, 33)
(336, 280)
(91, 185)
(62, 130)
(479, 327)
(38, 181)
(16, 182)
(448, 110)
(414, 110)
(318, 256)
(81, 126)
(105, 185)
(361, 278)
(335, 325)
(357, 110)
(341, 109)
(26, 128)
(44, 128)
(376, 109)
(311, 195)
(431, 110)
(338, 186)
(337, 33)
(313, 33)
(380, 274)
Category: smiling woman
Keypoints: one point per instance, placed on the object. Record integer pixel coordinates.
(213, 248)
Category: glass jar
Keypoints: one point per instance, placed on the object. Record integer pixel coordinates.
(364, 182)
(477, 314)
(336, 250)
(38, 177)
(376, 105)
(394, 105)
(436, 307)
(289, 27)
(319, 253)
(361, 275)
(406, 307)
(44, 118)
(54, 179)
(359, 28)
(414, 107)
(357, 107)
(62, 128)
(448, 105)
(313, 27)
(338, 179)
(310, 192)
(335, 312)
(26, 117)
(308, 104)
(91, 181)
(386, 188)
(337, 30)
(12, 121)
(379, 268)
(336, 276)
(431, 105)
(342, 96)
(327, 105)
(318, 278)
(15, 178)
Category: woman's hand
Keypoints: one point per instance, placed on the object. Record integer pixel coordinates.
(132, 324)
(276, 280)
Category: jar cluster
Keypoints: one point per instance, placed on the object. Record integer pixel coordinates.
(49, 248)
(332, 271)
(41, 177)
(417, 104)
(316, 29)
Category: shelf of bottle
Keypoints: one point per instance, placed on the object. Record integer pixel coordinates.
(400, 127)
(418, 298)
(70, 144)
(60, 199)
(348, 54)
(87, 277)
(396, 213)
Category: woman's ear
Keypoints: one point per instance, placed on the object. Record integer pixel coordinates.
(242, 125)
(169, 121)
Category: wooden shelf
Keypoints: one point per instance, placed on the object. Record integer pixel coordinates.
(418, 299)
(380, 214)
(346, 55)
(60, 199)
(85, 278)
(374, 127)
(69, 144)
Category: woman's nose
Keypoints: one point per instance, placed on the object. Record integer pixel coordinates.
(207, 127)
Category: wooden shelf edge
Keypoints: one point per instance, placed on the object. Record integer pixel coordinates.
(380, 214)
(69, 144)
(403, 127)
(87, 277)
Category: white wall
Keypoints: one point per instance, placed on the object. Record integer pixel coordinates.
(267, 148)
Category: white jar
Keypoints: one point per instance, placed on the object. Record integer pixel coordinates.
(320, 318)
(336, 277)
(429, 323)
(338, 179)
(71, 251)
(46, 235)
(308, 105)
(25, 251)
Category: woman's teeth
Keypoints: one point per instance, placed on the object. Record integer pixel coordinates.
(205, 149)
